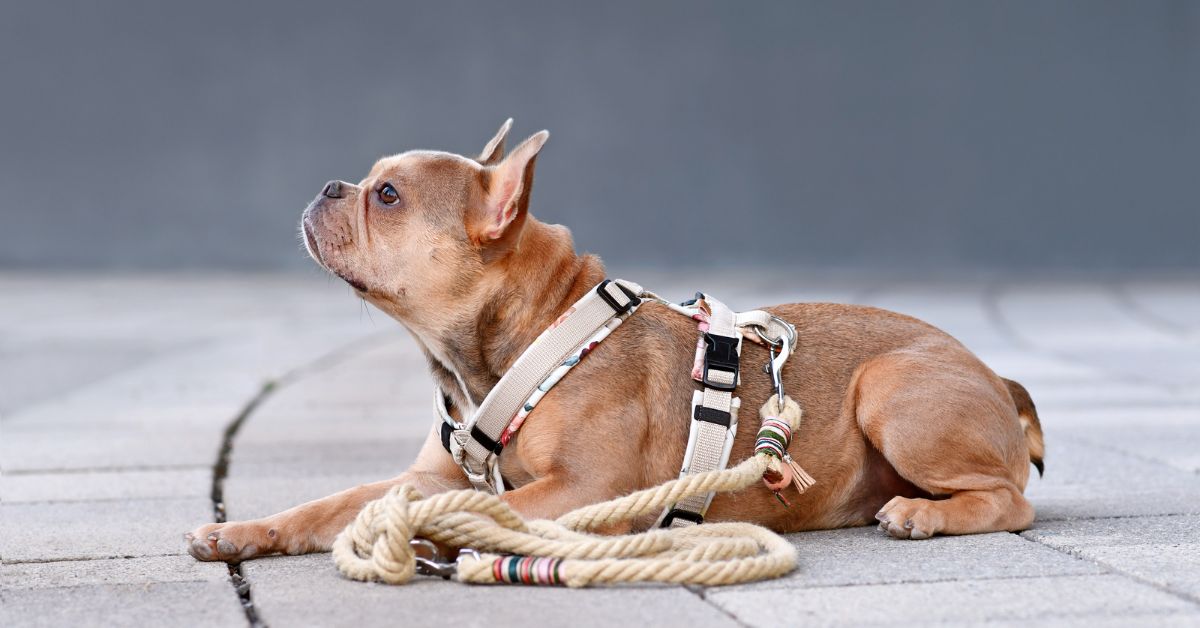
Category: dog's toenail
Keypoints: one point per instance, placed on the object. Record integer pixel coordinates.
(212, 537)
(879, 516)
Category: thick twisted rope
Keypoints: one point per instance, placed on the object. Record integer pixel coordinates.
(376, 546)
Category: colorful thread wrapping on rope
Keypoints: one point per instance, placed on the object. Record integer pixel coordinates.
(773, 439)
(527, 570)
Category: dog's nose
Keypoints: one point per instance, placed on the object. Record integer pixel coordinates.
(333, 189)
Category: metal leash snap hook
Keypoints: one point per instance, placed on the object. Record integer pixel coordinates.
(434, 564)
(774, 366)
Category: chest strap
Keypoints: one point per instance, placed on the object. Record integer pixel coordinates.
(714, 409)
(476, 443)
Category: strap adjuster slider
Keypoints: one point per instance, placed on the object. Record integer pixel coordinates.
(619, 308)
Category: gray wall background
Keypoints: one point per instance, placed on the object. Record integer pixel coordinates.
(912, 135)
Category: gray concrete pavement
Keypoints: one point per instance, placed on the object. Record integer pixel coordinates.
(117, 392)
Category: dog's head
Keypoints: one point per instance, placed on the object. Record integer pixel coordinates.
(419, 231)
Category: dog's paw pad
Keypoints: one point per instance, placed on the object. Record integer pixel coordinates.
(228, 542)
(906, 518)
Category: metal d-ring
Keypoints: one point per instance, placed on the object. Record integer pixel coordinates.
(773, 342)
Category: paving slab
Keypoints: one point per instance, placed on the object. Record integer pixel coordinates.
(866, 555)
(105, 485)
(403, 450)
(1085, 480)
(1167, 434)
(50, 448)
(308, 591)
(249, 496)
(144, 604)
(1164, 551)
(1173, 303)
(114, 411)
(35, 371)
(1090, 324)
(1052, 600)
(112, 571)
(1098, 394)
(74, 530)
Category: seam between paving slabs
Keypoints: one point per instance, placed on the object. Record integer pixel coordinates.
(1195, 602)
(122, 469)
(769, 585)
(702, 593)
(240, 584)
(1137, 310)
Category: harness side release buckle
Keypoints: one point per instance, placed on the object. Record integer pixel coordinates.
(721, 355)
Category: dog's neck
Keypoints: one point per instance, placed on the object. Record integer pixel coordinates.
(517, 298)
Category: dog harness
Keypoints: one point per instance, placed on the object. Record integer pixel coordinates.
(476, 443)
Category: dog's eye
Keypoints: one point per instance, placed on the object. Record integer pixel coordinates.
(388, 194)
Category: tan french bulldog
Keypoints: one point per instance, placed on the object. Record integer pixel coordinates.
(902, 424)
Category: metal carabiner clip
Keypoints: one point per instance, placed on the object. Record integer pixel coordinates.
(779, 349)
(774, 366)
(433, 563)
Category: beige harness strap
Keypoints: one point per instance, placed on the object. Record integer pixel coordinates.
(476, 444)
(714, 413)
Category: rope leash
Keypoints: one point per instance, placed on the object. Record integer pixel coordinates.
(378, 545)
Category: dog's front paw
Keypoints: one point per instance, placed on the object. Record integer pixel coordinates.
(906, 518)
(230, 542)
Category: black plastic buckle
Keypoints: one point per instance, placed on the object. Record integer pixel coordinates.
(712, 415)
(608, 298)
(686, 515)
(722, 355)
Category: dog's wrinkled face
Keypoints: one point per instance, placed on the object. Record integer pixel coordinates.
(416, 234)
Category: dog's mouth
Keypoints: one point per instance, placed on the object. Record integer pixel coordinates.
(310, 243)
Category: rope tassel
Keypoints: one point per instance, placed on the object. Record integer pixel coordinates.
(774, 437)
(376, 546)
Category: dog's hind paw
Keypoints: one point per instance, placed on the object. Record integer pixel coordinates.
(906, 518)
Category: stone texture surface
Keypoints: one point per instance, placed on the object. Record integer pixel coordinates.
(1164, 551)
(1056, 599)
(105, 485)
(147, 604)
(98, 529)
(113, 571)
(308, 591)
(860, 556)
(125, 387)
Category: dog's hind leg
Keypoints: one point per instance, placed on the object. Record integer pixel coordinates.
(947, 425)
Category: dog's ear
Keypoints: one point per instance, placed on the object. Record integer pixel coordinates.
(493, 151)
(509, 183)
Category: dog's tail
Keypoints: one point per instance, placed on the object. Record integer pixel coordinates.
(1030, 423)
